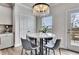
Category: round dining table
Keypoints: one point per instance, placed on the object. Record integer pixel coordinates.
(41, 36)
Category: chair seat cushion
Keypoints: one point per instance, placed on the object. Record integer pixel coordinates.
(49, 44)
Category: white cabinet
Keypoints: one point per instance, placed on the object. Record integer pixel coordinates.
(5, 15)
(6, 40)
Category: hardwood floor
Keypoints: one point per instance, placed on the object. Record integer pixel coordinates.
(17, 51)
(11, 51)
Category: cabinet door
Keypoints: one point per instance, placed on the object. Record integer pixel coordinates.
(3, 43)
(5, 15)
(6, 41)
(9, 40)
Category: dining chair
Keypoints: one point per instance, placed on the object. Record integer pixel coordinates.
(46, 40)
(53, 46)
(27, 45)
(34, 41)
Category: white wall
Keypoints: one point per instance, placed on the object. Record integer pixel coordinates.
(38, 23)
(59, 13)
(19, 9)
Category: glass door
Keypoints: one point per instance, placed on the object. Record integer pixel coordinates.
(73, 30)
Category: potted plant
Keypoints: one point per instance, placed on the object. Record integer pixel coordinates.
(44, 29)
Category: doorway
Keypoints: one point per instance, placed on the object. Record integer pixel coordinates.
(73, 30)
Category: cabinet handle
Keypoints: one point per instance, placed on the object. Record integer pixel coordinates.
(0, 40)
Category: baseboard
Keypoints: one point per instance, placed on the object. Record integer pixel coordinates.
(17, 45)
(69, 50)
(7, 48)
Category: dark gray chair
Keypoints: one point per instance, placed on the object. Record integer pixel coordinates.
(54, 46)
(34, 40)
(47, 40)
(27, 45)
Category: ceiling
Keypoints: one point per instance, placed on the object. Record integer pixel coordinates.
(31, 4)
(28, 4)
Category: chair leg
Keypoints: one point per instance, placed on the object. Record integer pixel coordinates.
(46, 48)
(31, 52)
(59, 51)
(22, 51)
(48, 51)
(35, 44)
(53, 51)
(35, 51)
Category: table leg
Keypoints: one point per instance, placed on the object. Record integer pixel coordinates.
(46, 48)
(41, 46)
(35, 44)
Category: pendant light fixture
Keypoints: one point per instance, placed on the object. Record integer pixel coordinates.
(41, 9)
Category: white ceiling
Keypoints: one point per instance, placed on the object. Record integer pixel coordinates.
(31, 4)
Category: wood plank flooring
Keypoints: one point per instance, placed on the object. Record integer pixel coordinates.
(17, 51)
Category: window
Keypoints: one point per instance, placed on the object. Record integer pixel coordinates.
(75, 20)
(47, 21)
